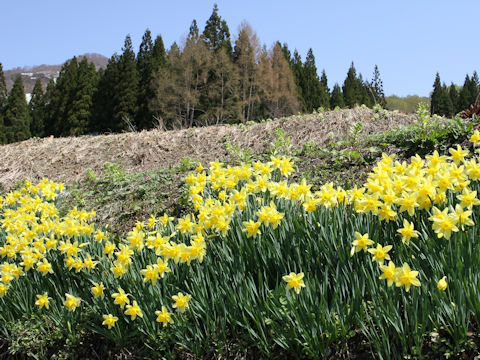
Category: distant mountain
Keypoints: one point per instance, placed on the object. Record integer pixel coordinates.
(30, 74)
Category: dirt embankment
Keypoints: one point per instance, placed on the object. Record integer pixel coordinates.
(66, 159)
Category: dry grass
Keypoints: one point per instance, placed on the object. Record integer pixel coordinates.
(66, 159)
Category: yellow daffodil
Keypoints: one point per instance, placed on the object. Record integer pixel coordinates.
(133, 311)
(42, 301)
(406, 277)
(181, 301)
(360, 243)
(380, 253)
(109, 320)
(164, 316)
(442, 284)
(294, 281)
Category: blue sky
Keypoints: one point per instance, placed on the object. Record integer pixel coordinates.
(409, 40)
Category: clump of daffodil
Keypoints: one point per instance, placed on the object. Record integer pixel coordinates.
(294, 281)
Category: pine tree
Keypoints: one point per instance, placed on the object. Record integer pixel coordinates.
(453, 93)
(324, 81)
(125, 89)
(436, 97)
(48, 115)
(3, 90)
(377, 88)
(464, 96)
(61, 100)
(297, 67)
(79, 115)
(37, 110)
(287, 54)
(367, 94)
(441, 103)
(3, 137)
(216, 33)
(352, 88)
(313, 93)
(446, 105)
(104, 99)
(17, 121)
(337, 97)
(3, 104)
(158, 54)
(145, 68)
(246, 54)
(473, 87)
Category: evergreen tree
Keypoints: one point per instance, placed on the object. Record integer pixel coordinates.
(158, 54)
(125, 89)
(337, 97)
(17, 120)
(453, 93)
(79, 115)
(377, 88)
(145, 65)
(247, 50)
(367, 94)
(48, 114)
(352, 88)
(473, 87)
(61, 100)
(446, 108)
(297, 67)
(193, 33)
(37, 110)
(464, 96)
(287, 54)
(3, 137)
(313, 93)
(324, 81)
(104, 100)
(3, 90)
(3, 104)
(216, 33)
(440, 103)
(436, 97)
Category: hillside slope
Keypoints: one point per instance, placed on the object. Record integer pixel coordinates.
(67, 159)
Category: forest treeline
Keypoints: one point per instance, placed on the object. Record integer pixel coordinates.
(450, 100)
(208, 79)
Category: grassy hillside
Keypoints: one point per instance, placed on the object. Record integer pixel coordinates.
(261, 256)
